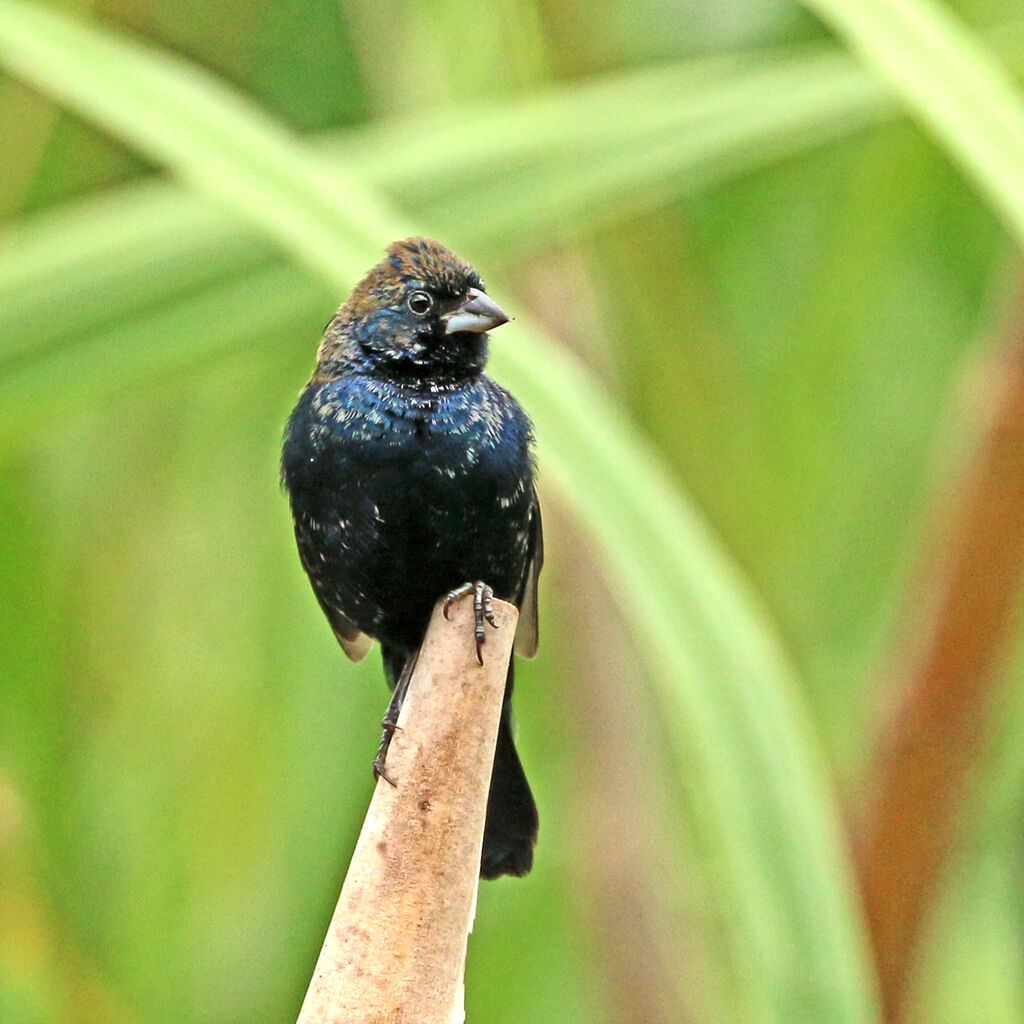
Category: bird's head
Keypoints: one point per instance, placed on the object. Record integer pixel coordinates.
(422, 312)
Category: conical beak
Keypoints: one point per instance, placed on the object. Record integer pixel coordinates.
(478, 313)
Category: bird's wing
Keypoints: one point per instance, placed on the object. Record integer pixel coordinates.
(354, 642)
(527, 632)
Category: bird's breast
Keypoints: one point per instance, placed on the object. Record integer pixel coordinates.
(428, 448)
(405, 496)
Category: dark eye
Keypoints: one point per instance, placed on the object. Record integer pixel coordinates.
(420, 303)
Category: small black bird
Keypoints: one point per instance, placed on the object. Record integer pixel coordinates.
(410, 475)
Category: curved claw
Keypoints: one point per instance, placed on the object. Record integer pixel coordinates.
(453, 595)
(380, 773)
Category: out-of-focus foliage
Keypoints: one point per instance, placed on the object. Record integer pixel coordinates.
(780, 281)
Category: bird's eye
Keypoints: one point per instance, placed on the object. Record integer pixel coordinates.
(420, 303)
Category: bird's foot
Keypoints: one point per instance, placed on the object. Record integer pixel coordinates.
(482, 610)
(390, 721)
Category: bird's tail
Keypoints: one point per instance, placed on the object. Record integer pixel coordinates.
(510, 830)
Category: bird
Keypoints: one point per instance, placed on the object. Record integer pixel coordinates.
(411, 478)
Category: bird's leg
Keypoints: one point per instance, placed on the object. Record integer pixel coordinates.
(390, 721)
(482, 610)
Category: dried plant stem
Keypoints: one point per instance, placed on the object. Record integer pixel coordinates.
(395, 951)
(933, 738)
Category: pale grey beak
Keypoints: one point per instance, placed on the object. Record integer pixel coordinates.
(478, 313)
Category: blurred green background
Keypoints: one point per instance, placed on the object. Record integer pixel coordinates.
(784, 288)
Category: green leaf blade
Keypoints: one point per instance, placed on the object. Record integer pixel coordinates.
(951, 83)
